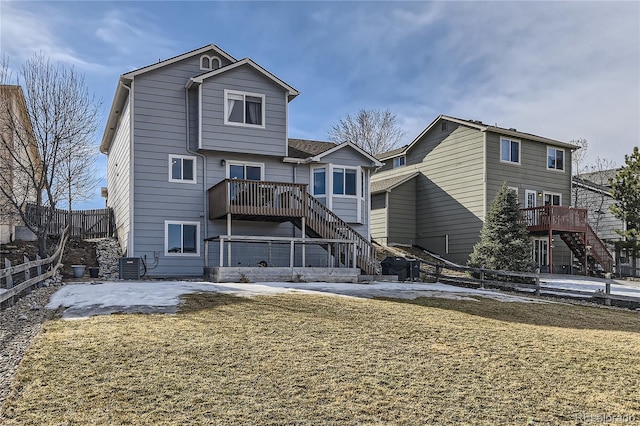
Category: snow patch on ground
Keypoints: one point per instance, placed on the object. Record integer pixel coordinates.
(83, 300)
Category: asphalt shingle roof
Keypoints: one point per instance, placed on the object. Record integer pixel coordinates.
(385, 184)
(304, 148)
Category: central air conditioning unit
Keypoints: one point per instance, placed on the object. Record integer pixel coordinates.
(129, 268)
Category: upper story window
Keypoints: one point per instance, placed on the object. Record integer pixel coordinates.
(182, 169)
(209, 62)
(509, 150)
(243, 109)
(344, 181)
(555, 159)
(399, 161)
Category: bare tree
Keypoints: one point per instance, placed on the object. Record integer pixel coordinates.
(46, 142)
(579, 156)
(374, 131)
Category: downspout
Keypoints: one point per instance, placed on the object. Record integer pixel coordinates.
(131, 176)
(204, 165)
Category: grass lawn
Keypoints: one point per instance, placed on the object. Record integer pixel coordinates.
(302, 359)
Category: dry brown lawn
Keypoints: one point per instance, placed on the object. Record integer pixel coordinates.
(301, 359)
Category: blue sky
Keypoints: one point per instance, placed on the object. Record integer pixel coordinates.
(563, 70)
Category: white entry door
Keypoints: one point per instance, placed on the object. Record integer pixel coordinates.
(530, 201)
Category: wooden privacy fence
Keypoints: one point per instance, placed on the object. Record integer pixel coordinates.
(15, 280)
(85, 224)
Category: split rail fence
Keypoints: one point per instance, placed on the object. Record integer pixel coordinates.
(518, 281)
(15, 280)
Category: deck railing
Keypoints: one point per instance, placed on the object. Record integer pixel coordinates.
(256, 198)
(560, 218)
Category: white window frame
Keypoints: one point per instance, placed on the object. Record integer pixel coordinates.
(210, 58)
(182, 223)
(244, 96)
(182, 158)
(399, 161)
(555, 151)
(510, 161)
(244, 164)
(544, 196)
(326, 181)
(358, 183)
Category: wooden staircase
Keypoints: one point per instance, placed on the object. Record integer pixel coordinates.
(321, 222)
(588, 246)
(574, 229)
(288, 202)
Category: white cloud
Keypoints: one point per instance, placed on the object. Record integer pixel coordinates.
(561, 70)
(25, 32)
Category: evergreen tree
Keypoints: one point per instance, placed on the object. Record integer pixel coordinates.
(625, 189)
(505, 243)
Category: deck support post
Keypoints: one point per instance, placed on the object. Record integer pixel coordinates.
(304, 246)
(229, 243)
(586, 255)
(550, 251)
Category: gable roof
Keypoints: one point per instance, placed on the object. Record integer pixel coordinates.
(479, 125)
(313, 151)
(392, 153)
(591, 186)
(303, 148)
(246, 61)
(390, 183)
(603, 175)
(178, 58)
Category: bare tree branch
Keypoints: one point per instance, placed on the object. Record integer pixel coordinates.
(374, 131)
(46, 148)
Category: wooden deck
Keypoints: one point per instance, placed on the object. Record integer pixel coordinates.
(257, 200)
(574, 229)
(555, 218)
(287, 202)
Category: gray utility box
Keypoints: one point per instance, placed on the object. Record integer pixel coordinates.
(129, 268)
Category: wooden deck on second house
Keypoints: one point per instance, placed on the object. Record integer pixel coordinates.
(572, 226)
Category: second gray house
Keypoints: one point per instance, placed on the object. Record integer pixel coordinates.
(202, 173)
(435, 193)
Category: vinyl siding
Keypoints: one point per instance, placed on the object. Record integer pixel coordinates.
(531, 173)
(118, 182)
(402, 213)
(160, 130)
(379, 214)
(451, 190)
(270, 140)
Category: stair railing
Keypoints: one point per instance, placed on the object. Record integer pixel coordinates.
(329, 225)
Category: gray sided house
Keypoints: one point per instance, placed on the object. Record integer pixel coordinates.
(435, 192)
(201, 173)
(592, 191)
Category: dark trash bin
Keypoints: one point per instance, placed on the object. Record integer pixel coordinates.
(413, 269)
